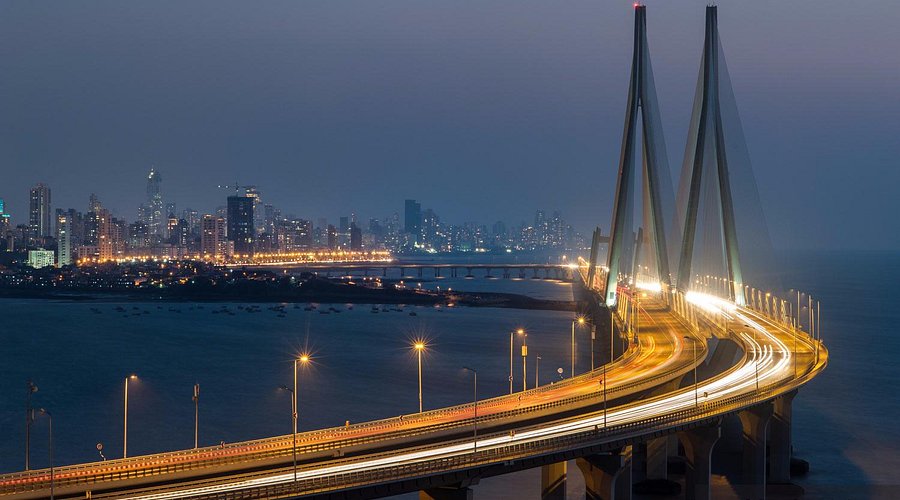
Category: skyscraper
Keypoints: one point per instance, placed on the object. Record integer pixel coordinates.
(4, 220)
(355, 237)
(212, 237)
(154, 208)
(240, 223)
(412, 217)
(39, 212)
(64, 238)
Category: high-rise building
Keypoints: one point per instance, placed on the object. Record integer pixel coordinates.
(170, 210)
(294, 235)
(138, 236)
(240, 223)
(64, 238)
(212, 237)
(4, 220)
(154, 208)
(412, 217)
(94, 203)
(344, 232)
(331, 237)
(193, 219)
(355, 237)
(39, 212)
(40, 258)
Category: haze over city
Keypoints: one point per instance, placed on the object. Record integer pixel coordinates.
(471, 108)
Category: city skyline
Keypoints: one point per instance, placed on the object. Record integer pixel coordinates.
(324, 111)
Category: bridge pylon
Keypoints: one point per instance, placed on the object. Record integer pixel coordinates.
(705, 175)
(656, 186)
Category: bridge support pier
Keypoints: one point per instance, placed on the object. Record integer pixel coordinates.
(755, 422)
(698, 446)
(446, 493)
(780, 439)
(607, 476)
(553, 481)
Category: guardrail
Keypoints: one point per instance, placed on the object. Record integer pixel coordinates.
(689, 417)
(280, 447)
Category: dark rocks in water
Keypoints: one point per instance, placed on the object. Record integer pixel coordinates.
(799, 467)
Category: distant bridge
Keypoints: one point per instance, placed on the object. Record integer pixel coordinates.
(417, 270)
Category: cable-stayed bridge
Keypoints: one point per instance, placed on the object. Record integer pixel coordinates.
(704, 348)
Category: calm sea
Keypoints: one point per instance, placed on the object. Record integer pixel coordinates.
(845, 420)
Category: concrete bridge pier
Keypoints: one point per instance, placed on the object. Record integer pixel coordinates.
(755, 422)
(553, 481)
(420, 271)
(698, 446)
(384, 272)
(506, 274)
(780, 439)
(607, 476)
(447, 493)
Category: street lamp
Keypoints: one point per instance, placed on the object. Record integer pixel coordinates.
(512, 334)
(196, 399)
(580, 320)
(419, 346)
(125, 430)
(475, 420)
(524, 335)
(294, 422)
(537, 369)
(30, 389)
(50, 421)
(694, 343)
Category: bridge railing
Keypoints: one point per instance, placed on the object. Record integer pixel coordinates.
(386, 429)
(612, 435)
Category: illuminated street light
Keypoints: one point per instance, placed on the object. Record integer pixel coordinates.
(125, 440)
(580, 320)
(512, 335)
(295, 396)
(524, 335)
(419, 346)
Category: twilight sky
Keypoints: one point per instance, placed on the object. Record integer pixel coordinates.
(482, 110)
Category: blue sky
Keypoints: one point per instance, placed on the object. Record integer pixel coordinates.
(480, 109)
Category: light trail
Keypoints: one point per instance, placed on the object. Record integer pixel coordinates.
(771, 360)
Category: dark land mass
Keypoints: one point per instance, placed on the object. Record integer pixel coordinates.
(314, 290)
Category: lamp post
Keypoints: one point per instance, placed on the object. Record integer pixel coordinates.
(294, 422)
(30, 389)
(125, 427)
(475, 420)
(511, 338)
(580, 321)
(612, 334)
(419, 346)
(537, 369)
(196, 400)
(50, 421)
(694, 343)
(524, 358)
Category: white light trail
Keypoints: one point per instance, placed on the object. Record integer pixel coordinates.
(771, 361)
